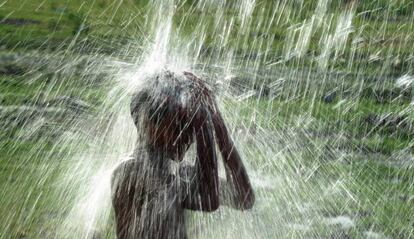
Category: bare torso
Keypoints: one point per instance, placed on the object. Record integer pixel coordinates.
(148, 193)
(151, 191)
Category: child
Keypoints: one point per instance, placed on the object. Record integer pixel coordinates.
(151, 191)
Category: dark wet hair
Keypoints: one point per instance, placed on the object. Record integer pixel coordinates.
(170, 108)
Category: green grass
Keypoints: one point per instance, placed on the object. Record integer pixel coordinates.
(26, 185)
(382, 202)
(61, 22)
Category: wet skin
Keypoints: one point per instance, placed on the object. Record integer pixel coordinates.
(152, 190)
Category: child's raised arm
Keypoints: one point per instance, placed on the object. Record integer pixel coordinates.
(203, 194)
(236, 173)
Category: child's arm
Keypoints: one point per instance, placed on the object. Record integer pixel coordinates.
(238, 182)
(235, 191)
(203, 194)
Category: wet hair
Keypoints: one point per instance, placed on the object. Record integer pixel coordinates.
(170, 109)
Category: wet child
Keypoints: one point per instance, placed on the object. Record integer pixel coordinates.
(151, 190)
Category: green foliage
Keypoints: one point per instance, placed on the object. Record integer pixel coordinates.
(79, 21)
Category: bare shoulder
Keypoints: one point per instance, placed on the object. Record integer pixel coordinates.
(125, 169)
(127, 164)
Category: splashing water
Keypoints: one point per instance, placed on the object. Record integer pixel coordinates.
(291, 78)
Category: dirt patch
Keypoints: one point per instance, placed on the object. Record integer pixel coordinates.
(18, 22)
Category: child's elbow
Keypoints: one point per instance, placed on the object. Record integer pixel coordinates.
(248, 202)
(205, 205)
(211, 206)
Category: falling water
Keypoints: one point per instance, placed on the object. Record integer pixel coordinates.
(303, 169)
